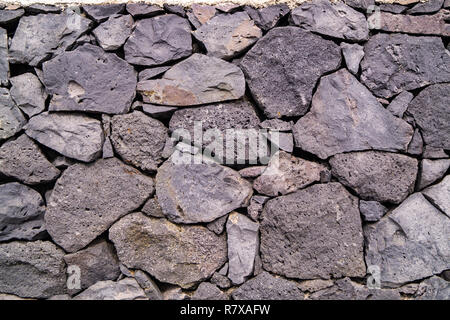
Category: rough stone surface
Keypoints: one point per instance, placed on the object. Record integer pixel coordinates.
(159, 112)
(286, 173)
(150, 73)
(416, 145)
(113, 33)
(410, 243)
(191, 193)
(89, 79)
(4, 63)
(28, 93)
(38, 37)
(400, 103)
(220, 280)
(72, 135)
(256, 206)
(313, 233)
(431, 171)
(209, 291)
(217, 226)
(200, 14)
(353, 54)
(277, 125)
(334, 19)
(139, 139)
(434, 288)
(152, 208)
(150, 288)
(430, 111)
(22, 159)
(226, 36)
(315, 285)
(125, 289)
(21, 213)
(283, 68)
(143, 10)
(198, 79)
(98, 262)
(169, 33)
(10, 16)
(345, 117)
(268, 17)
(439, 195)
(430, 152)
(267, 287)
(428, 7)
(243, 245)
(32, 269)
(372, 210)
(100, 13)
(11, 118)
(396, 62)
(110, 190)
(176, 254)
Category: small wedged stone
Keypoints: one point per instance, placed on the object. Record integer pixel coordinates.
(390, 58)
(439, 195)
(11, 118)
(21, 213)
(372, 210)
(353, 54)
(431, 171)
(152, 208)
(226, 36)
(252, 172)
(286, 173)
(176, 254)
(101, 12)
(10, 16)
(4, 62)
(169, 33)
(400, 103)
(196, 80)
(268, 287)
(113, 33)
(415, 147)
(38, 37)
(375, 175)
(217, 226)
(42, 263)
(28, 93)
(220, 280)
(291, 247)
(243, 245)
(283, 67)
(98, 262)
(430, 109)
(334, 19)
(110, 190)
(209, 291)
(138, 139)
(256, 206)
(148, 285)
(90, 79)
(277, 125)
(22, 159)
(144, 10)
(345, 117)
(72, 135)
(125, 289)
(430, 152)
(268, 17)
(410, 243)
(192, 193)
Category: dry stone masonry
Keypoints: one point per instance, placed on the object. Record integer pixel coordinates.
(101, 105)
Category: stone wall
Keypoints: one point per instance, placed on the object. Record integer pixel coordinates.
(106, 191)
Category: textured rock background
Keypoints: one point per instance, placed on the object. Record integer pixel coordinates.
(90, 186)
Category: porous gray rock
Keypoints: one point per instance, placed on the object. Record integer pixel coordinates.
(148, 285)
(315, 285)
(252, 172)
(433, 288)
(72, 135)
(22, 159)
(267, 17)
(256, 206)
(290, 246)
(390, 58)
(431, 171)
(125, 289)
(42, 263)
(430, 152)
(28, 93)
(243, 245)
(283, 67)
(410, 243)
(169, 33)
(143, 10)
(21, 213)
(400, 103)
(192, 193)
(152, 208)
(268, 287)
(439, 195)
(196, 80)
(176, 254)
(110, 190)
(113, 33)
(39, 37)
(226, 36)
(100, 13)
(430, 111)
(286, 173)
(8, 16)
(345, 117)
(220, 280)
(4, 62)
(107, 149)
(11, 118)
(98, 262)
(277, 125)
(353, 54)
(90, 79)
(334, 19)
(138, 139)
(375, 175)
(415, 147)
(209, 291)
(372, 210)
(217, 226)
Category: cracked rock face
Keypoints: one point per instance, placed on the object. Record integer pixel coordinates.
(28, 93)
(283, 67)
(11, 118)
(89, 79)
(110, 190)
(113, 33)
(181, 255)
(302, 234)
(439, 195)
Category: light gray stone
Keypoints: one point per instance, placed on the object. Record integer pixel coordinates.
(267, 17)
(277, 125)
(439, 195)
(434, 288)
(152, 208)
(150, 288)
(431, 171)
(372, 210)
(256, 206)
(353, 54)
(125, 289)
(400, 103)
(28, 93)
(4, 62)
(150, 73)
(415, 147)
(144, 10)
(217, 226)
(430, 152)
(9, 16)
(11, 118)
(209, 291)
(100, 13)
(113, 33)
(220, 280)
